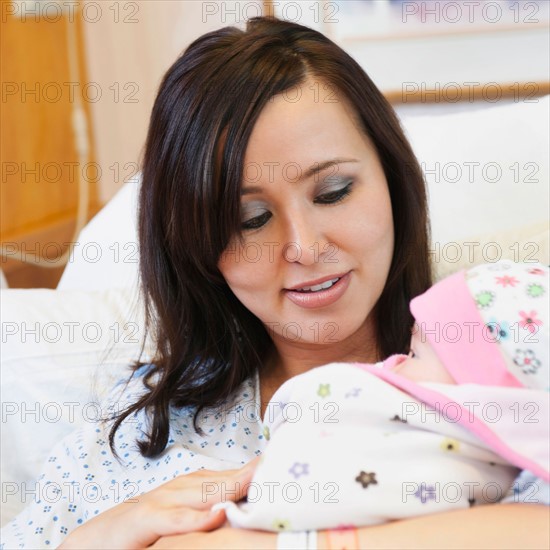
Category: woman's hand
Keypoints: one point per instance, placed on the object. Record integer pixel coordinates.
(223, 539)
(178, 506)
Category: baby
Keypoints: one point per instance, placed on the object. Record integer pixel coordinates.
(459, 319)
(447, 426)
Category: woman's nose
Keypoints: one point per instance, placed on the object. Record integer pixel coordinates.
(305, 240)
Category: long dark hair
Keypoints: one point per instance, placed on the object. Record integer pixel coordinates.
(207, 342)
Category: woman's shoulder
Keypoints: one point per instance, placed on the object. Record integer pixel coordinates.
(240, 409)
(130, 389)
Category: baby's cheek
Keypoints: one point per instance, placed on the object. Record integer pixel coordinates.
(418, 371)
(409, 370)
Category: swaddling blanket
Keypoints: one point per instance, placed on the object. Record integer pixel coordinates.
(357, 445)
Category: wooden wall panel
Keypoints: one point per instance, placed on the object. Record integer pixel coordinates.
(38, 186)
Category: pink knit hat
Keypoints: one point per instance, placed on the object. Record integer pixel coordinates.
(490, 324)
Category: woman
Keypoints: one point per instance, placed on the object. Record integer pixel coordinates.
(282, 226)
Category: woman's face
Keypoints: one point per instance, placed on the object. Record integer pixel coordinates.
(302, 228)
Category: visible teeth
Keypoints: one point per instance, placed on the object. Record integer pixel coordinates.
(316, 288)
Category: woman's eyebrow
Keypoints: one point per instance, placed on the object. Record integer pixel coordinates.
(320, 166)
(314, 169)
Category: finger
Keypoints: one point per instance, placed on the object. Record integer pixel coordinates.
(200, 490)
(212, 474)
(243, 478)
(232, 484)
(228, 490)
(178, 521)
(225, 485)
(247, 471)
(253, 464)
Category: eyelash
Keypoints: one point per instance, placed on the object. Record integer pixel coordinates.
(254, 222)
(340, 196)
(412, 354)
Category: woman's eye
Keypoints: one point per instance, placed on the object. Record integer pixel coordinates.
(257, 222)
(334, 196)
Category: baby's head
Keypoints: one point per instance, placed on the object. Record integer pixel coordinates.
(487, 325)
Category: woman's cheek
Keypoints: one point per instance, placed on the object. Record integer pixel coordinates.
(251, 282)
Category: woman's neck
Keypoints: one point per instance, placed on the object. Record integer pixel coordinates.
(289, 359)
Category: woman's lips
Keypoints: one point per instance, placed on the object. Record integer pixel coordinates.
(321, 298)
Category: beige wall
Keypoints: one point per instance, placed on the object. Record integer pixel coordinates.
(130, 56)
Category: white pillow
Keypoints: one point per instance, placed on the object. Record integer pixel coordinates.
(107, 252)
(462, 153)
(528, 243)
(61, 352)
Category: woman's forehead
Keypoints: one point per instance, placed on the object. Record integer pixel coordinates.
(305, 131)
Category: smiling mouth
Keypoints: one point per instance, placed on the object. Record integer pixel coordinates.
(317, 288)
